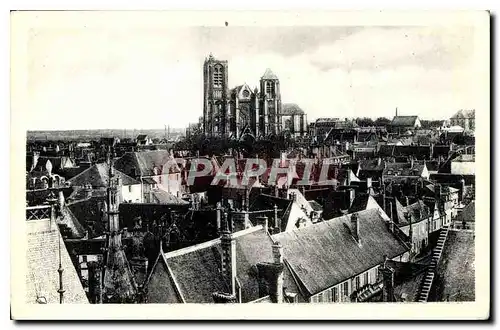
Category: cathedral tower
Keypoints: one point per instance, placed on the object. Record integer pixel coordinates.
(270, 103)
(215, 98)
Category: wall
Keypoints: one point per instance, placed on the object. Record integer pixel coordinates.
(461, 167)
(420, 233)
(132, 193)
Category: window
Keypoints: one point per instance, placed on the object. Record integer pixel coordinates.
(269, 88)
(335, 293)
(344, 290)
(217, 76)
(356, 287)
(320, 297)
(366, 279)
(130, 189)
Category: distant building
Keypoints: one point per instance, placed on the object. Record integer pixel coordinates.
(243, 110)
(465, 119)
(144, 140)
(402, 124)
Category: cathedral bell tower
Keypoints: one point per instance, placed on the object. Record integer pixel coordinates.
(270, 108)
(215, 97)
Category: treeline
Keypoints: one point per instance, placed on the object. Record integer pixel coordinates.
(383, 121)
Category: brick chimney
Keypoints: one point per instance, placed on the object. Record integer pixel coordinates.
(278, 261)
(263, 221)
(369, 184)
(355, 227)
(95, 282)
(277, 220)
(271, 276)
(218, 215)
(228, 245)
(388, 281)
(391, 216)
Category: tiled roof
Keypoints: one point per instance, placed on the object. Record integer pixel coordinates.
(325, 254)
(98, 176)
(404, 120)
(42, 278)
(289, 109)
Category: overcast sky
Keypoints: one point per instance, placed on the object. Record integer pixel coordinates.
(145, 78)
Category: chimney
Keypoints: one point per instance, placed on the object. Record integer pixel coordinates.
(277, 220)
(218, 216)
(239, 220)
(369, 184)
(388, 281)
(278, 262)
(410, 231)
(352, 195)
(262, 220)
(60, 200)
(462, 182)
(391, 216)
(355, 227)
(95, 283)
(228, 245)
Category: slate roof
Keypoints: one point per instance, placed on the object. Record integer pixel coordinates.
(404, 121)
(468, 213)
(195, 271)
(418, 152)
(441, 150)
(267, 202)
(98, 176)
(315, 206)
(89, 212)
(269, 75)
(42, 261)
(403, 169)
(457, 267)
(418, 212)
(325, 254)
(289, 109)
(142, 162)
(164, 197)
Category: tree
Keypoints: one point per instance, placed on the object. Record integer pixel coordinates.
(364, 122)
(382, 121)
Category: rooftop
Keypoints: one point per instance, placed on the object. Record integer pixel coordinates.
(325, 254)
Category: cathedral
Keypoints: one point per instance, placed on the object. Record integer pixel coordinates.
(240, 111)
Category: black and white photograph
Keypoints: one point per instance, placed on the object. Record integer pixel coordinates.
(265, 158)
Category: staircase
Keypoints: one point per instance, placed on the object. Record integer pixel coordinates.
(425, 289)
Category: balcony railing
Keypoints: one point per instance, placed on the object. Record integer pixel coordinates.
(42, 212)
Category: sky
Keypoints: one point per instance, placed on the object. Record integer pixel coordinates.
(120, 77)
